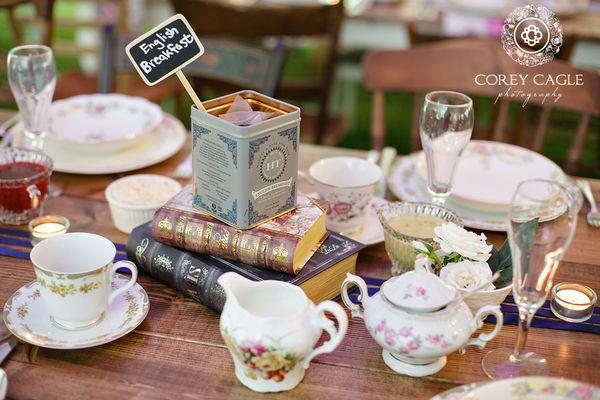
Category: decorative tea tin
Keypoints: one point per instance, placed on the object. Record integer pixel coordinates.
(245, 175)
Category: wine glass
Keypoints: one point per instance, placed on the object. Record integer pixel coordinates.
(32, 79)
(542, 220)
(446, 124)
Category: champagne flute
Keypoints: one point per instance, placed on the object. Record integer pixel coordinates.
(32, 79)
(543, 217)
(446, 124)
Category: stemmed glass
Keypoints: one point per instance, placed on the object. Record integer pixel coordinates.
(446, 124)
(542, 216)
(32, 79)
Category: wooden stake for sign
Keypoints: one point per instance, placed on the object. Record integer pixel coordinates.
(190, 90)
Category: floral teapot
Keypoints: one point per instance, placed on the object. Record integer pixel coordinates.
(271, 328)
(418, 320)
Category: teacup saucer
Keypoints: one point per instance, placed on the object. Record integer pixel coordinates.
(371, 232)
(25, 315)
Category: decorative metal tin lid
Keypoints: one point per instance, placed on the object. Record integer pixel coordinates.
(418, 291)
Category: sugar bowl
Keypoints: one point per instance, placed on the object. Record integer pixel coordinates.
(418, 320)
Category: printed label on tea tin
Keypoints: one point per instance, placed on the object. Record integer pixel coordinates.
(273, 169)
(216, 156)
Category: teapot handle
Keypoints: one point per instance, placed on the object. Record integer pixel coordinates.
(335, 335)
(355, 309)
(477, 323)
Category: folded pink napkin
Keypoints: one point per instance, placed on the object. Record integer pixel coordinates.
(241, 113)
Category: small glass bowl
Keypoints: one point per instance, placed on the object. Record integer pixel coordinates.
(397, 244)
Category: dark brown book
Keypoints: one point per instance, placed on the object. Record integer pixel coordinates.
(196, 274)
(282, 244)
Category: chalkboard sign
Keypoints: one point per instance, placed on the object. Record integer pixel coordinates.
(164, 50)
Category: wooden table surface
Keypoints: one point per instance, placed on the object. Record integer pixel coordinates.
(177, 352)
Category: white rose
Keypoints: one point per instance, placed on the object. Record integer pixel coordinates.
(453, 238)
(467, 275)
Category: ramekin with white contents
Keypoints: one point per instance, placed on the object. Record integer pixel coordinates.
(134, 199)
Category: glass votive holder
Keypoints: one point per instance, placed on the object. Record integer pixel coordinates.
(573, 302)
(46, 226)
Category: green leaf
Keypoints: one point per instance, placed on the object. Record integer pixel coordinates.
(503, 260)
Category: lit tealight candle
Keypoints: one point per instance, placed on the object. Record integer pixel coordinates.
(573, 302)
(46, 226)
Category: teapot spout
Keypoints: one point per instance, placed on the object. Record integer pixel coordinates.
(233, 284)
(355, 309)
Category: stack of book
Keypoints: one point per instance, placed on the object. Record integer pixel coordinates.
(189, 250)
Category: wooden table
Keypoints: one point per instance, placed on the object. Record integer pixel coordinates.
(177, 352)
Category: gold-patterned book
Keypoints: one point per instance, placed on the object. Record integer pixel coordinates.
(282, 244)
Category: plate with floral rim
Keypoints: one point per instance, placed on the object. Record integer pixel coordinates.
(488, 173)
(25, 315)
(160, 144)
(534, 388)
(102, 122)
(458, 392)
(406, 184)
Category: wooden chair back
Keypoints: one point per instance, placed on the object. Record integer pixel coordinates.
(253, 24)
(239, 65)
(454, 65)
(43, 17)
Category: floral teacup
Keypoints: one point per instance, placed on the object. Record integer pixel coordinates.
(347, 185)
(75, 273)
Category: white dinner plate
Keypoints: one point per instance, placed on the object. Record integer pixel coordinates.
(102, 122)
(488, 173)
(406, 184)
(534, 388)
(162, 143)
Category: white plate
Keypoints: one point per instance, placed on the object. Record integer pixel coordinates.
(534, 388)
(25, 315)
(3, 384)
(406, 184)
(488, 174)
(458, 392)
(162, 143)
(102, 122)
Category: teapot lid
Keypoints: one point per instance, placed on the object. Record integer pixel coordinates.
(418, 291)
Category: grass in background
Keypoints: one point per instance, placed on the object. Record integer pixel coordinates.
(301, 63)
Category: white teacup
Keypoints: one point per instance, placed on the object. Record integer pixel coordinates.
(75, 272)
(347, 185)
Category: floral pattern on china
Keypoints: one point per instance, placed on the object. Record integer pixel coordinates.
(418, 291)
(418, 320)
(526, 388)
(268, 361)
(343, 207)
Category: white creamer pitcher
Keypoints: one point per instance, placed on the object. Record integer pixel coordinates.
(271, 327)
